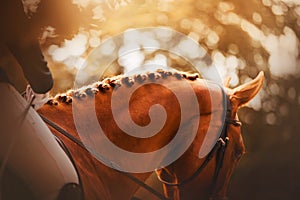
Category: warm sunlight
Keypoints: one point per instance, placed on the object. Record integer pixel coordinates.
(197, 99)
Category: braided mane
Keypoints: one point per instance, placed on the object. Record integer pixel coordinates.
(117, 81)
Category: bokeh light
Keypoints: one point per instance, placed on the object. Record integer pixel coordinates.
(240, 42)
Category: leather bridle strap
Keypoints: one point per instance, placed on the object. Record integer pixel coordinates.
(220, 156)
(218, 150)
(200, 169)
(80, 143)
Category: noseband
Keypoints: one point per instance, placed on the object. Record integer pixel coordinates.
(218, 150)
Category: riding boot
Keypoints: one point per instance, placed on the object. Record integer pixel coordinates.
(70, 191)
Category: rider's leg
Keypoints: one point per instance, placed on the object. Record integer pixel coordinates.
(35, 154)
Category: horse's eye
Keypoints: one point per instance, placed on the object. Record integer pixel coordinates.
(238, 153)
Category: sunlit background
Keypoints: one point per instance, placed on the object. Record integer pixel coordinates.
(242, 38)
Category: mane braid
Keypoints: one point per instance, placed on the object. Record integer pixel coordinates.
(114, 83)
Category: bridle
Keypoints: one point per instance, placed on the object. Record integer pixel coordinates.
(218, 150)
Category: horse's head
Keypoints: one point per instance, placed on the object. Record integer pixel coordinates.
(206, 178)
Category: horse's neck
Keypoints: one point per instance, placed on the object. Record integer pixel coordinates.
(100, 181)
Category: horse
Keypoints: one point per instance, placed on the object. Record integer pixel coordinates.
(70, 114)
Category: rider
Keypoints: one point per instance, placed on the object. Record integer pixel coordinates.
(27, 147)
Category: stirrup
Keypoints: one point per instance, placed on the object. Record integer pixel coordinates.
(70, 191)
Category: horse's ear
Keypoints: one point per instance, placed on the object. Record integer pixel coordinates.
(244, 93)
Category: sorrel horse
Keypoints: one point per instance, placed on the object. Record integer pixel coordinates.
(181, 178)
